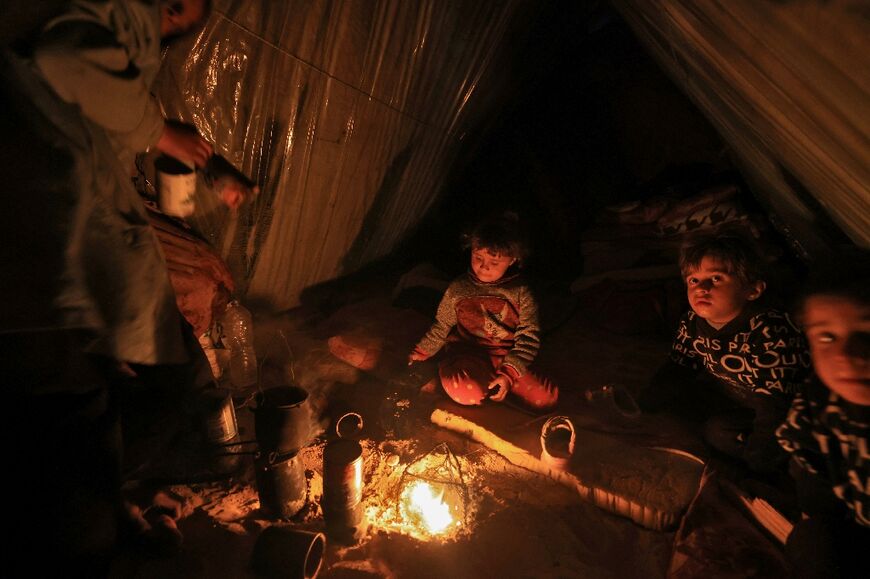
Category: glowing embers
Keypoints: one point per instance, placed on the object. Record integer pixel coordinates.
(424, 506)
(429, 501)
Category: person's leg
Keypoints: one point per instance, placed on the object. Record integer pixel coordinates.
(69, 457)
(727, 431)
(465, 375)
(159, 406)
(535, 391)
(676, 391)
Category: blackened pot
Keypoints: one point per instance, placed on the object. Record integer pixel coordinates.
(281, 485)
(282, 419)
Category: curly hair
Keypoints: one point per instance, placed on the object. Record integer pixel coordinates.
(500, 233)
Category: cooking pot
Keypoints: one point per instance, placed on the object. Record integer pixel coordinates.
(282, 419)
(281, 484)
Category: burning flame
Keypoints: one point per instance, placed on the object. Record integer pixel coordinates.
(429, 506)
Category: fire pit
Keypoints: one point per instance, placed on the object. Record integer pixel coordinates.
(428, 501)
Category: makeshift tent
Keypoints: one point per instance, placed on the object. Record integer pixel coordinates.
(786, 85)
(349, 115)
(357, 118)
(352, 114)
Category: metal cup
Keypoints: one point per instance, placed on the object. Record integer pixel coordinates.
(176, 186)
(288, 553)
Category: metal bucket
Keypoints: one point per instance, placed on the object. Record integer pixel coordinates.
(281, 485)
(288, 552)
(282, 419)
(342, 486)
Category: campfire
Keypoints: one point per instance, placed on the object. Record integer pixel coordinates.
(425, 506)
(429, 501)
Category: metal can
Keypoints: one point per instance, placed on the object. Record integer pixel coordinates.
(342, 487)
(221, 431)
(220, 416)
(288, 552)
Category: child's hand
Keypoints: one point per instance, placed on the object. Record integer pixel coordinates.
(417, 355)
(499, 388)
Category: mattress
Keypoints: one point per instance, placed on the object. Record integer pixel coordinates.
(631, 472)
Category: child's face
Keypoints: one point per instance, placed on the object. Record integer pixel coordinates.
(716, 295)
(489, 266)
(177, 17)
(838, 331)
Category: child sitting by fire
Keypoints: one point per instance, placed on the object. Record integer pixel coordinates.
(487, 323)
(734, 364)
(828, 426)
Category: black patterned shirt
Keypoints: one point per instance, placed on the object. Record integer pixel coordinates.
(760, 352)
(827, 436)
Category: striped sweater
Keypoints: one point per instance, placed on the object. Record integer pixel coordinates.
(501, 317)
(827, 437)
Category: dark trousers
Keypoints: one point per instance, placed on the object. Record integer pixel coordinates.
(70, 452)
(67, 455)
(727, 426)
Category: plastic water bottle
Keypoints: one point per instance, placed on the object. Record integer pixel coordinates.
(238, 332)
(208, 347)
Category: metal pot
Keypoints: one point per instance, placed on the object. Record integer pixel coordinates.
(282, 419)
(281, 484)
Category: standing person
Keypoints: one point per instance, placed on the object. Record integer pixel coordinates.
(102, 56)
(487, 323)
(87, 307)
(827, 431)
(734, 364)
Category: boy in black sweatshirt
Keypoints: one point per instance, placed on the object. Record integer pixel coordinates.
(734, 364)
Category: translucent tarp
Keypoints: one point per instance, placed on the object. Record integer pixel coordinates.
(349, 115)
(787, 85)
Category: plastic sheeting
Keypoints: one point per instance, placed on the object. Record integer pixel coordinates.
(349, 115)
(786, 83)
